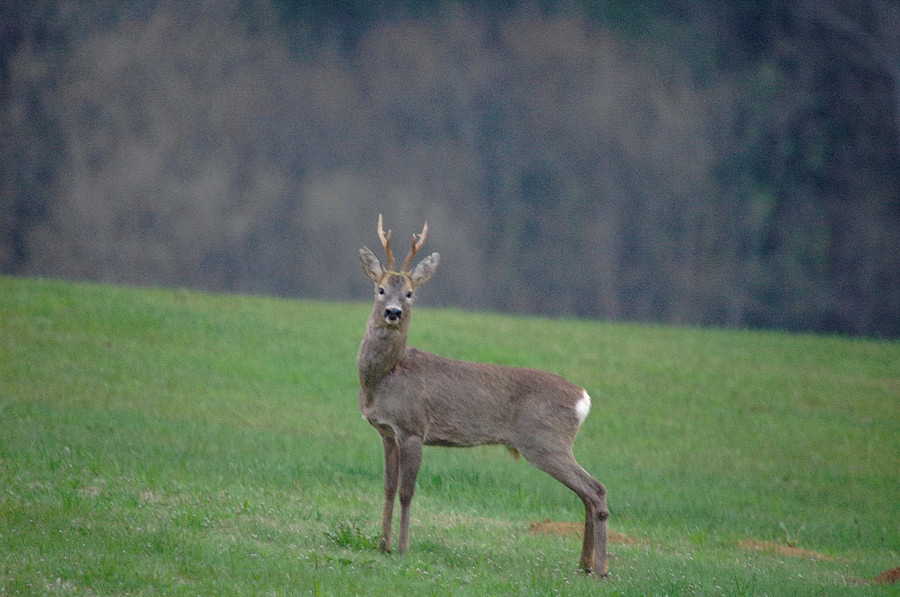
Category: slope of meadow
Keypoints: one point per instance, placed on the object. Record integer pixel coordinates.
(172, 442)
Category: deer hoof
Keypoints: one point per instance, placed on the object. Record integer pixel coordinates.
(590, 572)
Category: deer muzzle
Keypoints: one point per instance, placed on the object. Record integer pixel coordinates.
(393, 314)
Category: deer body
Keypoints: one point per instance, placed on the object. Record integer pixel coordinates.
(415, 398)
(461, 404)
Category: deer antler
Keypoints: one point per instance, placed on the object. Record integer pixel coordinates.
(416, 245)
(386, 243)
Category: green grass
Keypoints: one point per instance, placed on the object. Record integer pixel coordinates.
(172, 442)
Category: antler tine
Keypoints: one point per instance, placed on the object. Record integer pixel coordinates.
(416, 245)
(386, 243)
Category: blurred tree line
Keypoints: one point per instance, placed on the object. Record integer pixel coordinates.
(693, 161)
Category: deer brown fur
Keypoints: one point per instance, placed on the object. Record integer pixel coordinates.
(414, 398)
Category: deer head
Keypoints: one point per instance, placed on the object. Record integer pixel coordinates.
(394, 291)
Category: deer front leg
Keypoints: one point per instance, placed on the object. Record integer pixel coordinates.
(410, 458)
(391, 477)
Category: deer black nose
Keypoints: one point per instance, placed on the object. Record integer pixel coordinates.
(393, 314)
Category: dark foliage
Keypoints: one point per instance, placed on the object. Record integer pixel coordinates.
(693, 162)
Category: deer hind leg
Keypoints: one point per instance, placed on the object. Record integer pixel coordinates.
(562, 466)
(391, 478)
(410, 448)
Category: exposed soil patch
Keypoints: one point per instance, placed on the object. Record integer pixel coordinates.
(785, 550)
(888, 577)
(576, 529)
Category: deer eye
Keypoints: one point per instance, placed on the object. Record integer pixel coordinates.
(381, 291)
(409, 294)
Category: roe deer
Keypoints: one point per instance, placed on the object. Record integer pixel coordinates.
(414, 398)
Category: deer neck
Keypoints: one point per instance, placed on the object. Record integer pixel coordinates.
(382, 349)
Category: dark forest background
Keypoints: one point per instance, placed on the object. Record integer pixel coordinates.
(689, 161)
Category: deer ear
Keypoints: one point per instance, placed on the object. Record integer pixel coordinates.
(371, 265)
(423, 272)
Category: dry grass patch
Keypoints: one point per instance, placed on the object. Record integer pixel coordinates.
(785, 550)
(576, 529)
(888, 577)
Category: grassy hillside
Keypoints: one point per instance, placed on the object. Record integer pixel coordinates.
(170, 442)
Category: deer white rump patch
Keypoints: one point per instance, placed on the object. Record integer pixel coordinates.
(583, 407)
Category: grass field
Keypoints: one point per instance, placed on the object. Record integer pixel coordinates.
(172, 442)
